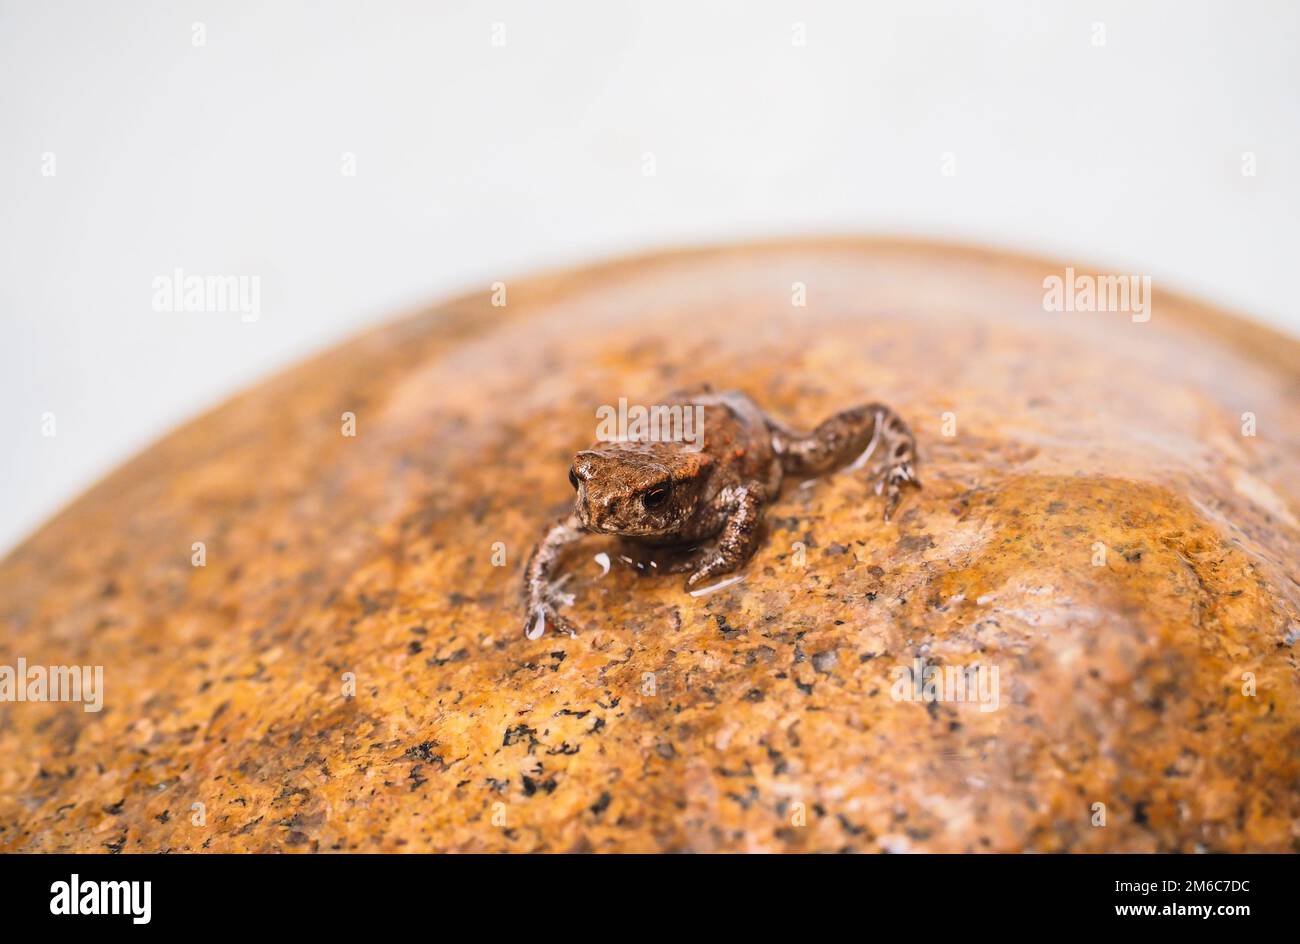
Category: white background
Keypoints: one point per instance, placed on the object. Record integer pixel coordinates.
(476, 163)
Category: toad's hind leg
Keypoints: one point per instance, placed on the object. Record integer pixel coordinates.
(853, 436)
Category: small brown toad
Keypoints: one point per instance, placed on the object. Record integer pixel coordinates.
(707, 499)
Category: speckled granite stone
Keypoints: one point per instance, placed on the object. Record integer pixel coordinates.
(759, 717)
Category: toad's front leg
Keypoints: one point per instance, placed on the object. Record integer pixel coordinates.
(735, 544)
(541, 594)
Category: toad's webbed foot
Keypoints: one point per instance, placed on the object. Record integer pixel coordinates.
(890, 481)
(544, 614)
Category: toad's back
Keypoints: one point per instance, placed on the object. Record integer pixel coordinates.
(737, 436)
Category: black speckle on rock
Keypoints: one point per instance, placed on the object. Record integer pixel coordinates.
(422, 751)
(531, 786)
(460, 655)
(518, 733)
(746, 799)
(849, 826)
(372, 605)
(728, 631)
(599, 806)
(916, 542)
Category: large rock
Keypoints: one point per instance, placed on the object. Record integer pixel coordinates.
(1097, 528)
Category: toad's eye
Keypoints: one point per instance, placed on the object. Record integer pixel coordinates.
(655, 498)
(573, 479)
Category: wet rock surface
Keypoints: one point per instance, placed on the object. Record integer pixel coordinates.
(347, 670)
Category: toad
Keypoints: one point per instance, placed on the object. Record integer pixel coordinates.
(703, 503)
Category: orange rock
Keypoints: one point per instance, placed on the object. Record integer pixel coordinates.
(347, 671)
